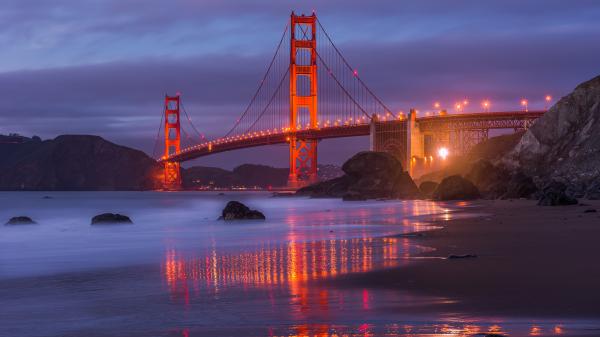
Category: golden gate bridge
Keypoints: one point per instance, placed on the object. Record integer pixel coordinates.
(310, 92)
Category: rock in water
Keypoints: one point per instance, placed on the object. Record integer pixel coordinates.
(20, 220)
(554, 194)
(235, 210)
(456, 188)
(368, 175)
(110, 218)
(563, 144)
(427, 188)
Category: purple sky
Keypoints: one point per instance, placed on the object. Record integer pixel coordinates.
(102, 67)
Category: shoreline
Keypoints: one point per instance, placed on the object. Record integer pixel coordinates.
(532, 261)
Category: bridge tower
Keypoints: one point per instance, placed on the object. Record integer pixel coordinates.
(172, 142)
(303, 98)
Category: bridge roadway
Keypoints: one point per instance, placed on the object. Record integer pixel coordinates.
(437, 123)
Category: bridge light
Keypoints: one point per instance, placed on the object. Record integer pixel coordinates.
(548, 99)
(524, 104)
(436, 105)
(486, 105)
(458, 107)
(465, 102)
(443, 153)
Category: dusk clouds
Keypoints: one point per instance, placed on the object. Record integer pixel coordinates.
(102, 67)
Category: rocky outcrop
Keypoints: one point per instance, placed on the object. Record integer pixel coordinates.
(427, 188)
(456, 188)
(368, 175)
(564, 144)
(111, 218)
(74, 162)
(554, 194)
(496, 181)
(235, 210)
(20, 220)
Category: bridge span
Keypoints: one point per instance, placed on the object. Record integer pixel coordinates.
(310, 92)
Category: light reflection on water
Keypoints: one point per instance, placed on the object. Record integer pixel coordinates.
(178, 272)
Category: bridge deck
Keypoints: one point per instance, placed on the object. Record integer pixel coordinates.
(471, 121)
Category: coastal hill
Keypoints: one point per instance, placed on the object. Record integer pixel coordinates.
(246, 175)
(74, 162)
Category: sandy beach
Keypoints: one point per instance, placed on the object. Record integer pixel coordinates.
(532, 261)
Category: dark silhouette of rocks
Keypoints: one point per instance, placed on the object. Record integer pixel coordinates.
(235, 210)
(427, 188)
(20, 220)
(73, 162)
(554, 194)
(247, 175)
(563, 145)
(456, 188)
(497, 181)
(368, 175)
(463, 256)
(111, 218)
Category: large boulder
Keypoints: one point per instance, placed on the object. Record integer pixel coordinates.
(427, 188)
(369, 163)
(235, 210)
(554, 194)
(456, 188)
(489, 178)
(20, 220)
(110, 218)
(564, 144)
(368, 175)
(519, 185)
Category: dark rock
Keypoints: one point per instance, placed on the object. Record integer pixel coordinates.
(353, 196)
(590, 210)
(110, 218)
(464, 256)
(553, 194)
(235, 210)
(427, 188)
(20, 220)
(488, 178)
(456, 188)
(593, 191)
(334, 188)
(368, 175)
(519, 185)
(563, 144)
(405, 187)
(369, 163)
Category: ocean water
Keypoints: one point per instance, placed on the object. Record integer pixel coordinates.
(178, 271)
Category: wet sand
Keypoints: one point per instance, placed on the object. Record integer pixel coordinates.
(532, 261)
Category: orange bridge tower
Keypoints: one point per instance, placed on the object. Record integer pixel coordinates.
(172, 142)
(303, 98)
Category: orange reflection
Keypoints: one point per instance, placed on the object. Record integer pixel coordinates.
(290, 263)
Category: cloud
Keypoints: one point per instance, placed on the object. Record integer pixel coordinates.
(103, 67)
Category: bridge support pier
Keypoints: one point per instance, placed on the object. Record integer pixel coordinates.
(172, 169)
(303, 99)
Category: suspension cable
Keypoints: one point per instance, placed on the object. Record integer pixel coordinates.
(190, 120)
(261, 83)
(162, 116)
(351, 69)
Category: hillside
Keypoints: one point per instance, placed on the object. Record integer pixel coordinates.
(74, 162)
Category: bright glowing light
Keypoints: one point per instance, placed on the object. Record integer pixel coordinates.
(466, 102)
(436, 105)
(548, 98)
(443, 152)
